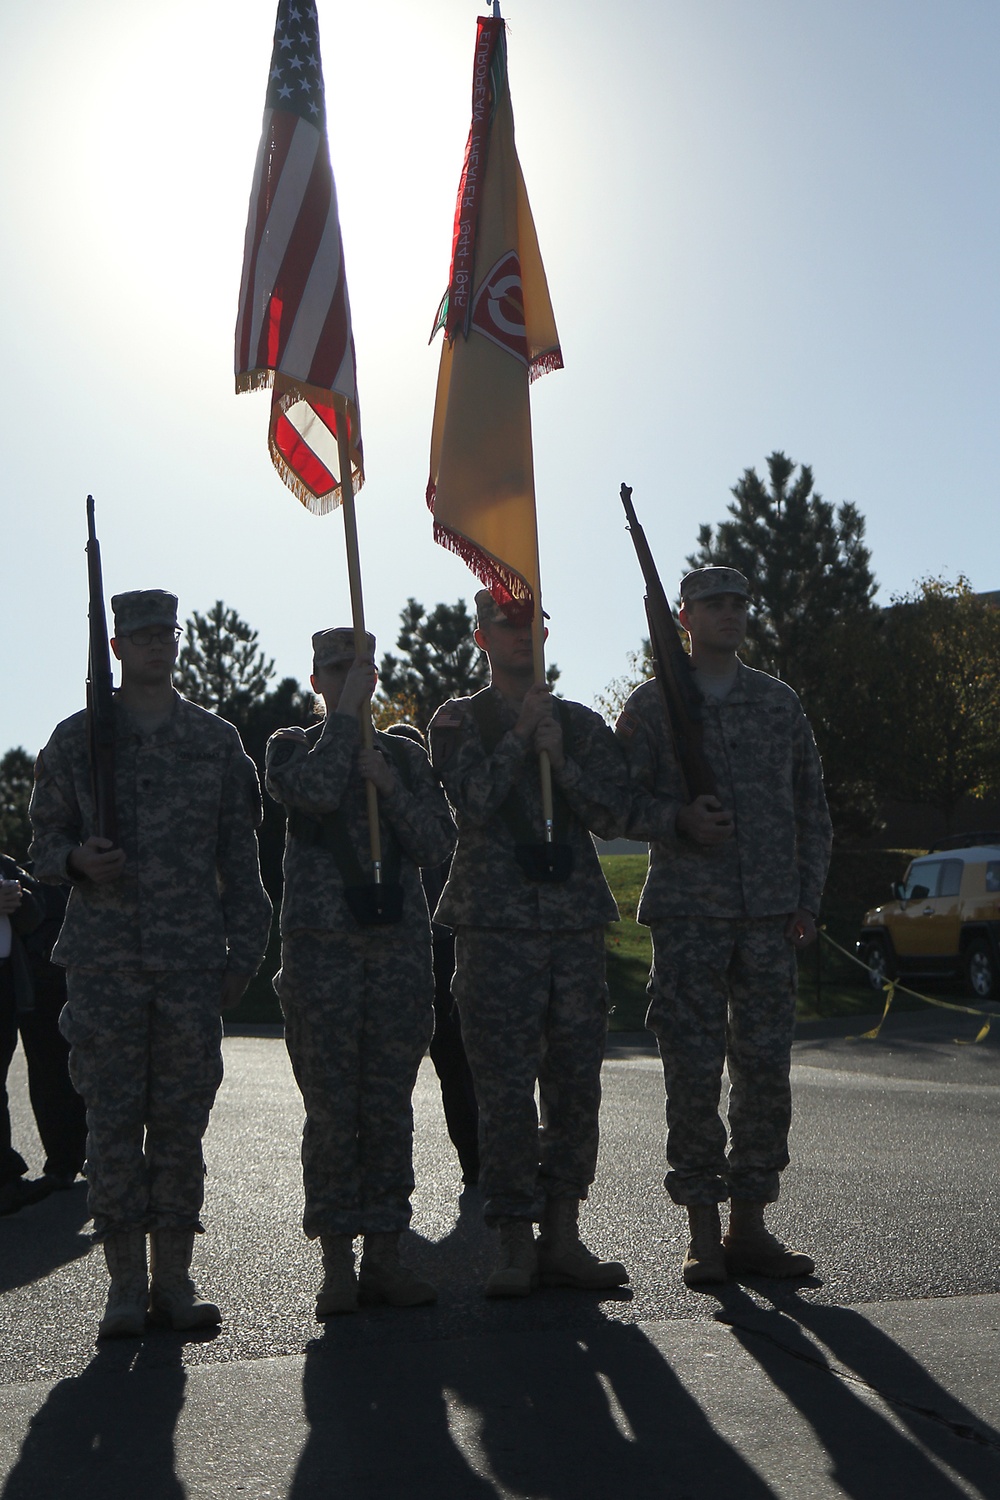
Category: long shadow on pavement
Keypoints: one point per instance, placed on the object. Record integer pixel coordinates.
(870, 1456)
(568, 1414)
(919, 1401)
(107, 1432)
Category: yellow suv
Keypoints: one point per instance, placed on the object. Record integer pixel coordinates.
(943, 921)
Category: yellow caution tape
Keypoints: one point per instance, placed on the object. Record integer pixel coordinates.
(892, 985)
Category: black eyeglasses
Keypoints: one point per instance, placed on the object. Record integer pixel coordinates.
(163, 637)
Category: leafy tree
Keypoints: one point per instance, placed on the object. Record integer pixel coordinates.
(400, 708)
(940, 696)
(640, 668)
(221, 665)
(807, 564)
(16, 781)
(848, 715)
(440, 660)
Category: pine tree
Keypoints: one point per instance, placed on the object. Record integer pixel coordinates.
(806, 562)
(221, 665)
(439, 659)
(812, 593)
(222, 668)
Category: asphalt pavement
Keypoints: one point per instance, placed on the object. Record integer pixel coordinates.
(875, 1378)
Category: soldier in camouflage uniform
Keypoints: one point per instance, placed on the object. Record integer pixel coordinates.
(356, 992)
(733, 889)
(161, 932)
(529, 976)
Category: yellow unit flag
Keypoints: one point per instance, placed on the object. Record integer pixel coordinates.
(499, 334)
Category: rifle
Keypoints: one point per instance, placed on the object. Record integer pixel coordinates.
(100, 705)
(681, 699)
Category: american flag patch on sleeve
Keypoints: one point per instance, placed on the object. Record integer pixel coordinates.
(626, 726)
(449, 717)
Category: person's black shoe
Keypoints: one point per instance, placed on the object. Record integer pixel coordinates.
(21, 1194)
(59, 1182)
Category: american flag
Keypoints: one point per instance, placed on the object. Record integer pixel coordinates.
(293, 331)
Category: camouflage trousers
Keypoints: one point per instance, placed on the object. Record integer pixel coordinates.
(534, 1009)
(722, 994)
(358, 1014)
(146, 1056)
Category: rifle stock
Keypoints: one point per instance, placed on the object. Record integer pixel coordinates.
(100, 704)
(681, 699)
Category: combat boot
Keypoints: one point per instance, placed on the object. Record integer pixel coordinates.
(705, 1262)
(516, 1270)
(752, 1251)
(563, 1259)
(339, 1292)
(173, 1299)
(125, 1314)
(384, 1278)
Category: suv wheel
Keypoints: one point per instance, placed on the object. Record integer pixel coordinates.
(876, 956)
(981, 970)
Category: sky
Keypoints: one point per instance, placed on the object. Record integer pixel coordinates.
(766, 224)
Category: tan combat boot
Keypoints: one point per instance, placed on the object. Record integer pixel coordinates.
(516, 1270)
(752, 1251)
(705, 1263)
(128, 1295)
(173, 1299)
(339, 1292)
(563, 1259)
(384, 1278)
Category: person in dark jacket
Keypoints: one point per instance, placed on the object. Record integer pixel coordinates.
(60, 1113)
(20, 914)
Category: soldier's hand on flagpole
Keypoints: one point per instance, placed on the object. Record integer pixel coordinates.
(537, 705)
(549, 737)
(97, 860)
(705, 821)
(358, 687)
(375, 768)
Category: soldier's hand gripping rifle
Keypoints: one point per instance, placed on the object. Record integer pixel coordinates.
(100, 705)
(681, 698)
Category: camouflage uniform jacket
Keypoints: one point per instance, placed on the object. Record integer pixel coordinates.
(318, 775)
(768, 774)
(188, 808)
(486, 887)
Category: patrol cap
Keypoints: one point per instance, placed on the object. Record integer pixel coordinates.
(703, 583)
(489, 612)
(330, 647)
(142, 607)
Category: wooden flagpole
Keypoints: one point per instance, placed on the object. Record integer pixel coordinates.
(358, 617)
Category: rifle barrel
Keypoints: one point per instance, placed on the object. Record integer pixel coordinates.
(681, 699)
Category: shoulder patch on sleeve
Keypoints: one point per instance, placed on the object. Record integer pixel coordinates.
(281, 749)
(449, 717)
(626, 726)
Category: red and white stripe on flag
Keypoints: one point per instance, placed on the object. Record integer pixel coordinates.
(293, 329)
